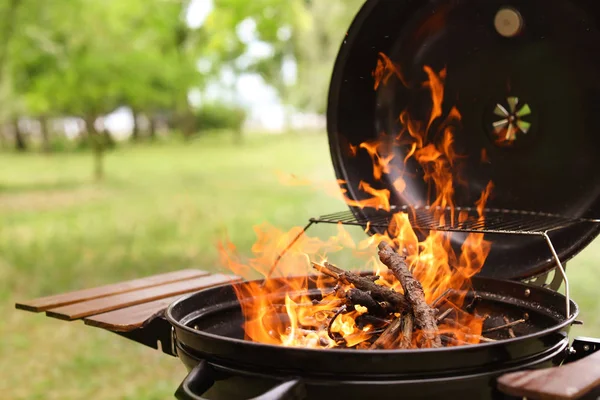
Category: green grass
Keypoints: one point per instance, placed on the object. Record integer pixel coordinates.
(162, 208)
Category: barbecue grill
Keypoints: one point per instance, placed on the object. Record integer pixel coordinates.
(500, 57)
(523, 75)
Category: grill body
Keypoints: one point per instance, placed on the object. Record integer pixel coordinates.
(242, 384)
(208, 327)
(544, 185)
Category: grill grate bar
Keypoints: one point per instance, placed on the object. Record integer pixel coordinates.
(495, 220)
(464, 219)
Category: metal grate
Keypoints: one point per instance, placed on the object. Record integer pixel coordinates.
(462, 219)
(496, 221)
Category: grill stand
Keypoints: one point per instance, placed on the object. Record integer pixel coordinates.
(497, 222)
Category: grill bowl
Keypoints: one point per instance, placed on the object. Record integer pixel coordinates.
(208, 324)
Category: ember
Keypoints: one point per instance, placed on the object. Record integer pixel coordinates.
(420, 301)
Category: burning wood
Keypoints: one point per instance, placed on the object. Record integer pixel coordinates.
(393, 320)
(366, 312)
(397, 335)
(424, 315)
(442, 298)
(361, 298)
(443, 315)
(376, 291)
(341, 310)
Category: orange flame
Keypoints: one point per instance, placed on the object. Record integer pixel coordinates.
(384, 70)
(283, 311)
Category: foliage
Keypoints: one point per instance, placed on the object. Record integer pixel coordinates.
(214, 116)
(86, 58)
(307, 33)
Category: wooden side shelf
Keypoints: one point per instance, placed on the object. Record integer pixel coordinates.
(133, 308)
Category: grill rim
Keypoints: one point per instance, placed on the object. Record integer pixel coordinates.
(243, 351)
(546, 355)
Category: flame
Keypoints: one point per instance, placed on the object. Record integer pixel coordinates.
(384, 70)
(380, 199)
(436, 86)
(292, 307)
(381, 158)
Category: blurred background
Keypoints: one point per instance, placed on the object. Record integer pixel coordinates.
(134, 134)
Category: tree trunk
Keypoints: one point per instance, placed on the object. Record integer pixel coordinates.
(45, 134)
(135, 134)
(20, 143)
(188, 127)
(186, 122)
(6, 131)
(97, 142)
(108, 140)
(152, 126)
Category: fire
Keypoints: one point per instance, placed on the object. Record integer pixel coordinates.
(384, 70)
(295, 308)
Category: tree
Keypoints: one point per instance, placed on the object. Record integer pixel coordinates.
(162, 60)
(10, 10)
(307, 33)
(86, 58)
(316, 41)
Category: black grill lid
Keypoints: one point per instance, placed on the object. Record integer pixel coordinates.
(539, 59)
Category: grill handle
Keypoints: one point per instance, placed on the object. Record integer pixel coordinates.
(202, 377)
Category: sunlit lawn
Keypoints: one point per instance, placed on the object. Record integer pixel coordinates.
(162, 208)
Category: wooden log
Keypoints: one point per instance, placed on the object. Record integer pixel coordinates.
(407, 330)
(397, 335)
(366, 319)
(507, 325)
(442, 298)
(443, 315)
(413, 291)
(511, 332)
(362, 298)
(449, 339)
(378, 292)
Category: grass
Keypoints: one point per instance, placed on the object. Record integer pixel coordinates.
(161, 208)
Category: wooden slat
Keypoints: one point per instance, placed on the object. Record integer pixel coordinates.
(59, 300)
(130, 318)
(119, 301)
(569, 381)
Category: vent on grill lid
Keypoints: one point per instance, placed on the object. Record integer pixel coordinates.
(522, 74)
